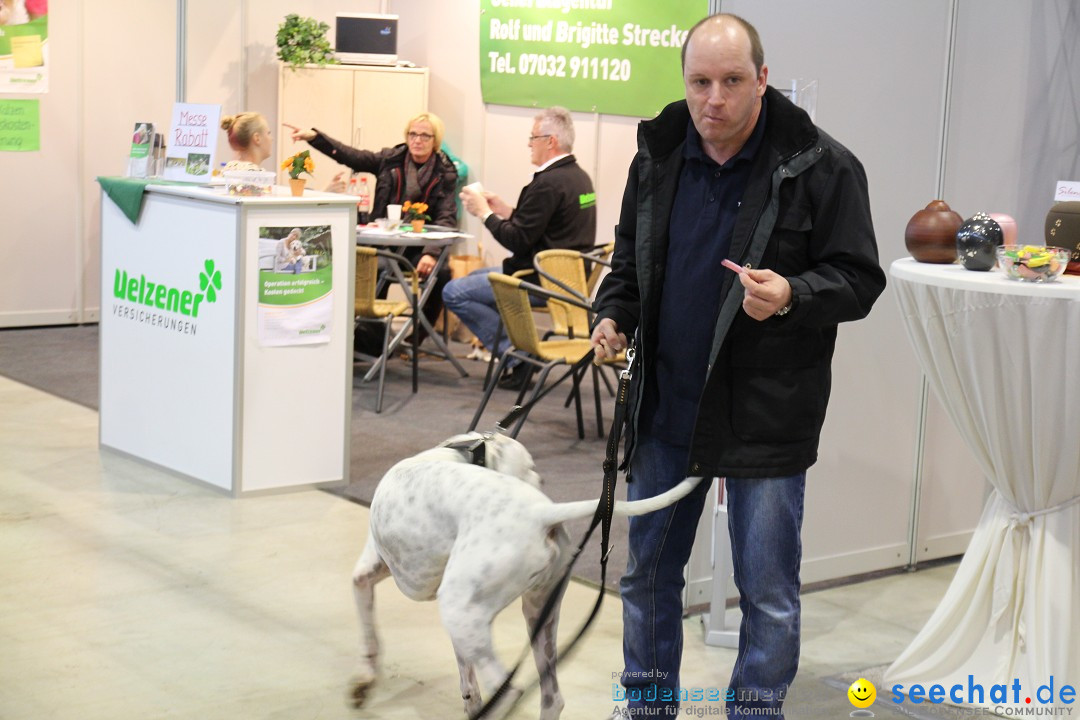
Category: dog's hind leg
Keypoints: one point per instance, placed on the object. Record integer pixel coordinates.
(370, 569)
(545, 649)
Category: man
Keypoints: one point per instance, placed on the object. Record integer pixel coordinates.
(732, 374)
(556, 210)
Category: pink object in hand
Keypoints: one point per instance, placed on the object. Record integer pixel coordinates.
(1008, 227)
(732, 266)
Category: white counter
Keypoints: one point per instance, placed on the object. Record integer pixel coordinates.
(186, 383)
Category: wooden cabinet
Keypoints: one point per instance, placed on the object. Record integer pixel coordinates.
(365, 106)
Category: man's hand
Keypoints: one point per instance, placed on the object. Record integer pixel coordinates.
(607, 341)
(298, 134)
(498, 205)
(766, 293)
(475, 203)
(425, 265)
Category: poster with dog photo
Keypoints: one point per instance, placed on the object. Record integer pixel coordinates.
(296, 297)
(24, 46)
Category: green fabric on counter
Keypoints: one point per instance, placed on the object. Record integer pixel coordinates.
(128, 192)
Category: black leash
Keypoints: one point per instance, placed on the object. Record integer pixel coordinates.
(602, 518)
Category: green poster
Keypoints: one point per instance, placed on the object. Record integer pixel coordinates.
(618, 57)
(20, 126)
(295, 285)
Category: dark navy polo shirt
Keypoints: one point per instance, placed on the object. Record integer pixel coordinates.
(702, 220)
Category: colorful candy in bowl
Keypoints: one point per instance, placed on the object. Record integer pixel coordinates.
(1032, 263)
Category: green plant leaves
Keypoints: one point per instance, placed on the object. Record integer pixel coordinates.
(302, 41)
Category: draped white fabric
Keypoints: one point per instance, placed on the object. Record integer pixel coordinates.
(1004, 359)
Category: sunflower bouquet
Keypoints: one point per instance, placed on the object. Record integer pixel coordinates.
(301, 162)
(411, 211)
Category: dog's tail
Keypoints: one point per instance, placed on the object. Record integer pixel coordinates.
(561, 512)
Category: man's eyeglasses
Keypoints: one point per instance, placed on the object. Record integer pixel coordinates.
(537, 137)
(420, 136)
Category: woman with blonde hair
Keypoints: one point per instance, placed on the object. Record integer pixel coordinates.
(249, 137)
(414, 171)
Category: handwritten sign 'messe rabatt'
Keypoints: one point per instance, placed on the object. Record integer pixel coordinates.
(191, 142)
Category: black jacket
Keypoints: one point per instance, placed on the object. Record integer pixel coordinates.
(556, 210)
(805, 214)
(388, 166)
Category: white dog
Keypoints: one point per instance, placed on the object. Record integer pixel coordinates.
(475, 538)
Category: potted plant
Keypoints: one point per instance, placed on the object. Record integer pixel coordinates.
(301, 162)
(302, 41)
(415, 213)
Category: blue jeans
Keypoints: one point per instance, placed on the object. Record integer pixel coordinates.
(765, 518)
(472, 300)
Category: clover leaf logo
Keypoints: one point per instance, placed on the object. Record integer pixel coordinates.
(210, 281)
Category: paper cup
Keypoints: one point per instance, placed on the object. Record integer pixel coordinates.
(475, 187)
(393, 214)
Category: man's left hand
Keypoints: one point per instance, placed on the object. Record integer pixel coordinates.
(766, 293)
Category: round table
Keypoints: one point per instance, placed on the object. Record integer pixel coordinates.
(1004, 359)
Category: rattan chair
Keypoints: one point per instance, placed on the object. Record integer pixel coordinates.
(516, 312)
(370, 309)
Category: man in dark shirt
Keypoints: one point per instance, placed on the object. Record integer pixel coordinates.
(556, 210)
(732, 372)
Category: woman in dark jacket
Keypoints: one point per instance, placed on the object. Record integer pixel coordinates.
(415, 171)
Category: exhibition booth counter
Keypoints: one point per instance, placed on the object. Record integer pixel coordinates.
(226, 321)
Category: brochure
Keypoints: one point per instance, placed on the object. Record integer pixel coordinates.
(141, 155)
(191, 142)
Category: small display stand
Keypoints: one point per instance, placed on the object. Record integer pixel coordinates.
(188, 379)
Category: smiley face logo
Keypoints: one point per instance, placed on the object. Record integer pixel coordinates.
(862, 693)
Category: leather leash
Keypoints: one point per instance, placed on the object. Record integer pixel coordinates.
(602, 517)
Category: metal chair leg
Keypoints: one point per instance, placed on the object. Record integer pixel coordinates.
(488, 391)
(382, 368)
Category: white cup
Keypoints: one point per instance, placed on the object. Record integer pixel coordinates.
(475, 187)
(393, 214)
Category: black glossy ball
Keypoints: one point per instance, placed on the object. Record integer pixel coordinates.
(977, 241)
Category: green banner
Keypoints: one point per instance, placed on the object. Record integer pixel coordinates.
(20, 126)
(618, 57)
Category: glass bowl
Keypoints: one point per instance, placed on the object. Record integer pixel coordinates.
(1032, 263)
(249, 183)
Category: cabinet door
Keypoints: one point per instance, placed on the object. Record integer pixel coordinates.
(383, 101)
(320, 98)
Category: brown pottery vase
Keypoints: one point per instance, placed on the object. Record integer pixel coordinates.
(1063, 230)
(417, 225)
(296, 186)
(930, 235)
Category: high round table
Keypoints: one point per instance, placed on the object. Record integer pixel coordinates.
(1004, 359)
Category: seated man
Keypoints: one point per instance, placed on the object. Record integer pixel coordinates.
(556, 210)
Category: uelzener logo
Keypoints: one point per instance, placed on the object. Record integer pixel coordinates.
(148, 292)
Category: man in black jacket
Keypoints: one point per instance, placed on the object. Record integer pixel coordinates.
(732, 374)
(556, 210)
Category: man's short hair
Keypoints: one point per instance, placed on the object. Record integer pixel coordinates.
(556, 121)
(757, 52)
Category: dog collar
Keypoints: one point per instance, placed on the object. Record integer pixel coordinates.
(473, 450)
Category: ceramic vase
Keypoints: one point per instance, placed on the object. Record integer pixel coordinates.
(977, 241)
(1063, 230)
(296, 185)
(1009, 231)
(930, 235)
(417, 225)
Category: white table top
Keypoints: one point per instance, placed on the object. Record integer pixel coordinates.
(435, 235)
(281, 196)
(993, 281)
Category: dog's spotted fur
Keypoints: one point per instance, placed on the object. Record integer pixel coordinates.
(474, 538)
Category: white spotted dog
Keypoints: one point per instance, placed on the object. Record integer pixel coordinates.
(475, 537)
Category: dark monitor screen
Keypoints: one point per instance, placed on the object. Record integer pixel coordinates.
(366, 36)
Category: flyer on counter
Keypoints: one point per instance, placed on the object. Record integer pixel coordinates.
(24, 46)
(192, 142)
(139, 159)
(296, 298)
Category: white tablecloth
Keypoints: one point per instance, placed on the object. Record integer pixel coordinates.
(1004, 359)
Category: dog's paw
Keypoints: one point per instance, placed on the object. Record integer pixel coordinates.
(359, 692)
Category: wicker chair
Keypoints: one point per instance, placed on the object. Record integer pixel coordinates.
(512, 298)
(370, 309)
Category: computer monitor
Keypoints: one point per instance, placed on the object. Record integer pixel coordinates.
(366, 39)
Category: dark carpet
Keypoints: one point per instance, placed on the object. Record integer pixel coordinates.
(63, 361)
